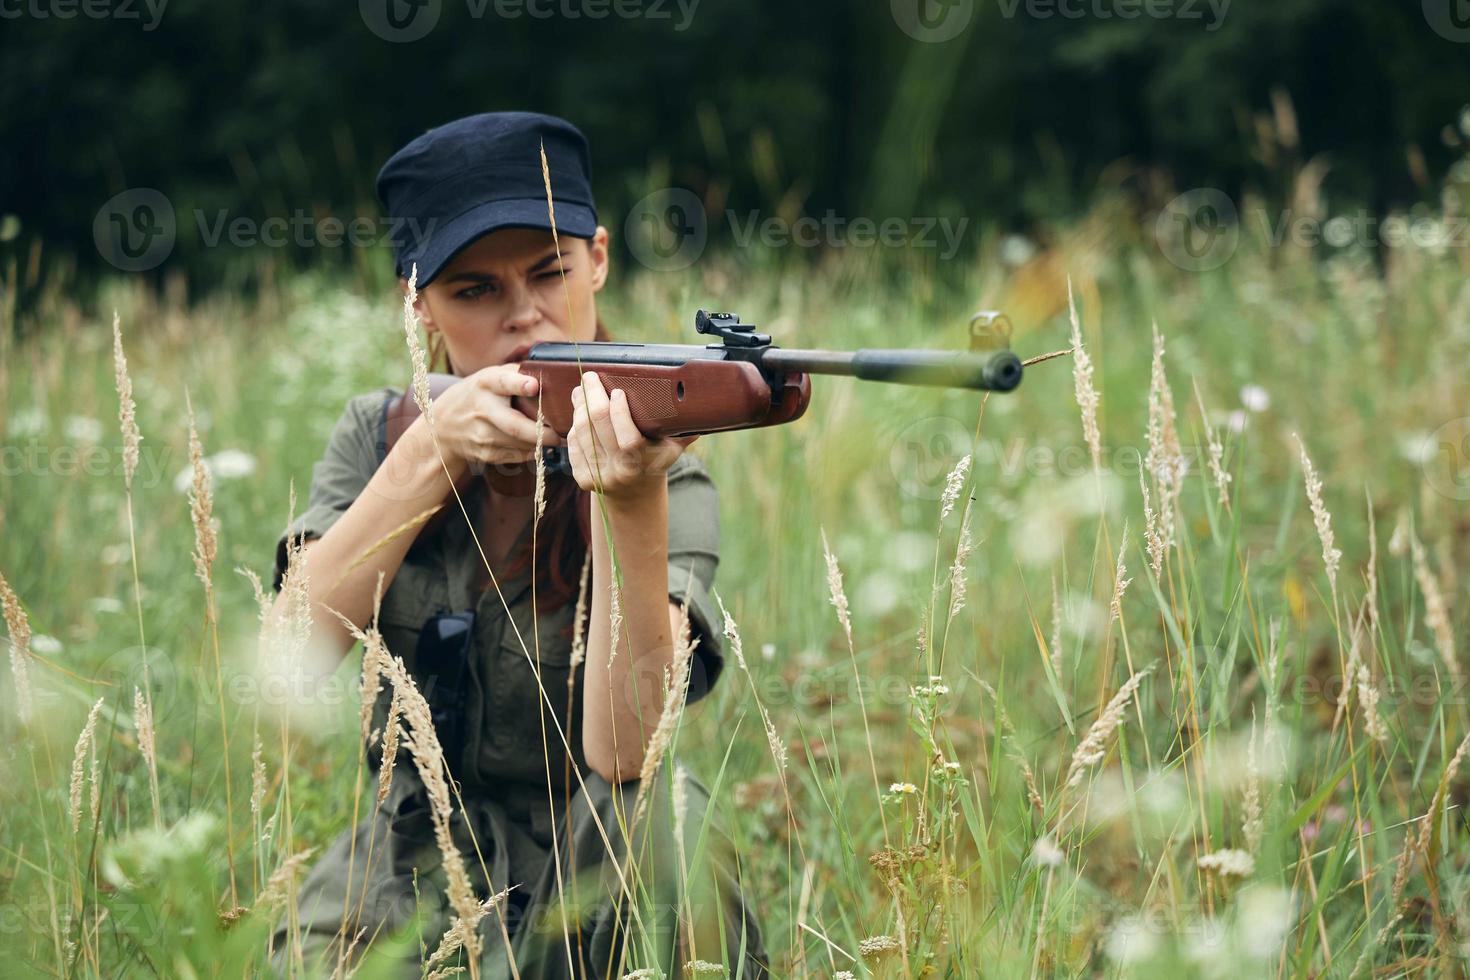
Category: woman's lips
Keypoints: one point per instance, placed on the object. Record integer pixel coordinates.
(519, 354)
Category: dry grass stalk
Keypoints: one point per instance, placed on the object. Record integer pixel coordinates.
(1056, 627)
(673, 708)
(540, 462)
(422, 742)
(834, 587)
(262, 601)
(86, 746)
(778, 748)
(1165, 459)
(415, 349)
(953, 484)
(278, 887)
(1418, 844)
(1228, 863)
(1331, 556)
(1120, 581)
(1219, 476)
(579, 633)
(1152, 536)
(143, 723)
(126, 409)
(1013, 751)
(1252, 824)
(18, 625)
(257, 777)
(1368, 700)
(957, 576)
(1372, 593)
(1087, 397)
(1436, 612)
(391, 732)
(453, 940)
(614, 618)
(201, 512)
(1094, 746)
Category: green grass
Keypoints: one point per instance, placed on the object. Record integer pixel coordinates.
(1102, 879)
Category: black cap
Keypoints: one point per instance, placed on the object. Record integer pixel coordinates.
(476, 175)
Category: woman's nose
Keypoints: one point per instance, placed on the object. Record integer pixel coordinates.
(524, 312)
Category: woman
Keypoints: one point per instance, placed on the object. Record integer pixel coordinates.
(547, 769)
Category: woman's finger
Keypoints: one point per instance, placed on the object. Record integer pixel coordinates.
(629, 437)
(505, 379)
(599, 419)
(513, 426)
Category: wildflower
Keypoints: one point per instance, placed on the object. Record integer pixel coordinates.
(905, 788)
(877, 946)
(1229, 862)
(1255, 398)
(1046, 852)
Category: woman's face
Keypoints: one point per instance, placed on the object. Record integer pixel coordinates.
(505, 292)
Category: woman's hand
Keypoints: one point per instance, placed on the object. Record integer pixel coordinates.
(475, 422)
(627, 463)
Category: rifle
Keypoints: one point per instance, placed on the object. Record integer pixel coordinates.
(741, 382)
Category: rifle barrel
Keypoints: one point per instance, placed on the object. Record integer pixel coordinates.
(993, 371)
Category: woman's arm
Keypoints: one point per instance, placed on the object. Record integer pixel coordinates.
(622, 694)
(410, 481)
(622, 691)
(473, 421)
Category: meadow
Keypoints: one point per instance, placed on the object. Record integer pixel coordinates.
(1154, 666)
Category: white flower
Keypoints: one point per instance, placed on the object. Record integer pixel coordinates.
(1255, 398)
(105, 604)
(47, 646)
(1229, 862)
(1046, 852)
(1235, 421)
(1417, 447)
(1016, 250)
(82, 428)
(228, 464)
(31, 422)
(1131, 941)
(768, 651)
(908, 788)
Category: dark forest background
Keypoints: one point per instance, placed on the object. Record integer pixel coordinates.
(277, 108)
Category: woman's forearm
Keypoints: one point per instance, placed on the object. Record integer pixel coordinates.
(622, 693)
(410, 481)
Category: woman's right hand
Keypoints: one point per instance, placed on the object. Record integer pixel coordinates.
(476, 422)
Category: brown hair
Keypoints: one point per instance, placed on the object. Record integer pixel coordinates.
(565, 530)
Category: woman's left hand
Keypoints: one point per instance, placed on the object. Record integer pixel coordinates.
(628, 463)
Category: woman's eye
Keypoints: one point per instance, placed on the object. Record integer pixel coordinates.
(552, 274)
(476, 291)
